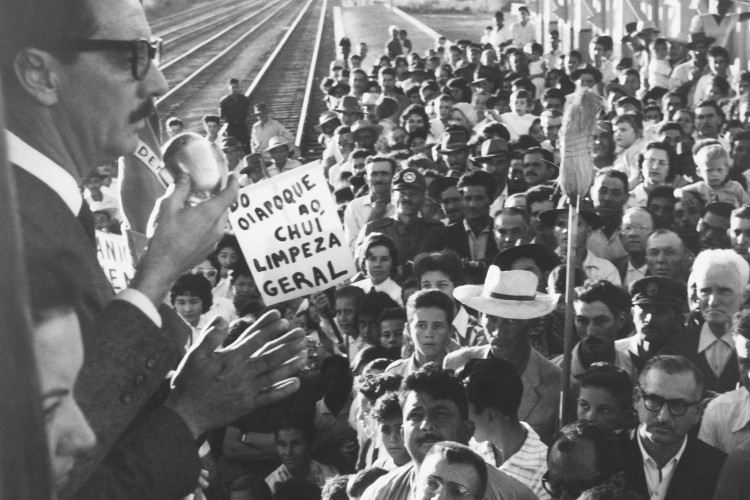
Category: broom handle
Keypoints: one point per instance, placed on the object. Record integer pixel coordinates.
(569, 313)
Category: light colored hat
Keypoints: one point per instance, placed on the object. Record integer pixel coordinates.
(507, 294)
(370, 99)
(275, 142)
(468, 111)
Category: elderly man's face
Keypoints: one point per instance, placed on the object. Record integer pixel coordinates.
(665, 256)
(503, 334)
(636, 226)
(98, 99)
(719, 292)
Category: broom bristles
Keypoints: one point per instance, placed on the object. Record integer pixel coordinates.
(576, 144)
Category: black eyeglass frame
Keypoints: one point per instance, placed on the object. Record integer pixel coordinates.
(650, 399)
(574, 490)
(138, 48)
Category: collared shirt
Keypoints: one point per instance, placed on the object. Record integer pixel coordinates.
(622, 360)
(600, 269)
(499, 36)
(499, 201)
(261, 134)
(528, 464)
(318, 475)
(658, 479)
(634, 273)
(356, 215)
(388, 286)
(718, 349)
(65, 186)
(477, 244)
(726, 421)
(609, 248)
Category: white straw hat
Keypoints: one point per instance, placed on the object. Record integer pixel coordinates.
(507, 294)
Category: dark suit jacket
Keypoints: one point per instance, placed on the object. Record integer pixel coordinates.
(126, 356)
(687, 345)
(694, 479)
(457, 240)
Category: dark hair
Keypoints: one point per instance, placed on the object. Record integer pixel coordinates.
(437, 383)
(539, 193)
(297, 422)
(195, 285)
(375, 303)
(605, 41)
(665, 192)
(392, 313)
(719, 51)
(721, 83)
(335, 361)
(614, 297)
(368, 355)
(741, 323)
(671, 126)
(430, 298)
(612, 379)
(493, 383)
(378, 240)
(446, 261)
(362, 480)
(558, 277)
(415, 109)
(228, 241)
(387, 406)
(335, 488)
(456, 453)
(554, 93)
(479, 178)
(174, 121)
(607, 447)
(211, 119)
(672, 365)
(671, 157)
(710, 104)
(546, 154)
(239, 269)
(351, 292)
(382, 158)
(374, 386)
(296, 489)
(614, 174)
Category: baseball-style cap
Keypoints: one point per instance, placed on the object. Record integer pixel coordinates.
(658, 290)
(409, 178)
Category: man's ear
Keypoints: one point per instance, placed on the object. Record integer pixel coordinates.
(35, 72)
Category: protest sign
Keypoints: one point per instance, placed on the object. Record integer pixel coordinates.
(291, 234)
(114, 258)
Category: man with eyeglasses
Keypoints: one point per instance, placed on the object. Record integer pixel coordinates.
(79, 81)
(434, 410)
(451, 470)
(584, 454)
(662, 460)
(637, 225)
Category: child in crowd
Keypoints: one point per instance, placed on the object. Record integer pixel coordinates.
(386, 413)
(659, 69)
(227, 252)
(629, 142)
(294, 442)
(606, 396)
(391, 322)
(537, 66)
(712, 162)
(191, 298)
(368, 316)
(518, 121)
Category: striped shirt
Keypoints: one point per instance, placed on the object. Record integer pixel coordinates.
(528, 464)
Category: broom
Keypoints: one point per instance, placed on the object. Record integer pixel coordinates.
(576, 177)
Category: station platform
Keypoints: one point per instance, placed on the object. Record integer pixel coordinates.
(370, 23)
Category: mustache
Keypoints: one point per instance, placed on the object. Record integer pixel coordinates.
(144, 111)
(429, 438)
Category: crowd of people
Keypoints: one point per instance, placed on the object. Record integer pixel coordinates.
(437, 371)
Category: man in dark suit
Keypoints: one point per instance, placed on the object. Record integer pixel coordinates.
(717, 286)
(662, 460)
(77, 100)
(472, 237)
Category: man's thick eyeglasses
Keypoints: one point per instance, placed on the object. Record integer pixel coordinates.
(434, 485)
(676, 407)
(142, 51)
(572, 489)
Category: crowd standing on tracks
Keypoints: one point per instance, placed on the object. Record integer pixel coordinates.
(436, 372)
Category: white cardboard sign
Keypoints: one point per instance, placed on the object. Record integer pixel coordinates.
(291, 234)
(114, 258)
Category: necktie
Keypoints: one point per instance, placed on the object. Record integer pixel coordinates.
(86, 218)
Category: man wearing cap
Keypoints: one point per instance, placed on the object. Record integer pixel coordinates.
(508, 302)
(686, 75)
(278, 149)
(454, 149)
(716, 288)
(411, 233)
(233, 109)
(349, 110)
(494, 158)
(601, 310)
(376, 204)
(657, 314)
(472, 237)
(595, 267)
(494, 390)
(266, 128)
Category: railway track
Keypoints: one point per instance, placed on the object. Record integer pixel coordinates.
(295, 40)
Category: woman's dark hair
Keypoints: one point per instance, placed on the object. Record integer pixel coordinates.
(415, 109)
(447, 262)
(195, 285)
(671, 158)
(378, 240)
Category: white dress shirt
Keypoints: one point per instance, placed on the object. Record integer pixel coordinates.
(65, 186)
(658, 479)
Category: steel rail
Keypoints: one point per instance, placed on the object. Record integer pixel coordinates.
(311, 77)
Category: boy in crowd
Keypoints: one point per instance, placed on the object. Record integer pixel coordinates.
(518, 120)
